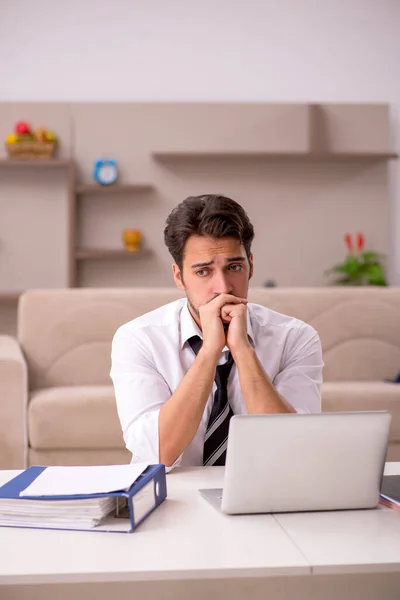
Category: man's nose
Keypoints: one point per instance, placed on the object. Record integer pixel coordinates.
(222, 284)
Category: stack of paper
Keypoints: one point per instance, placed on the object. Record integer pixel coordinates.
(61, 496)
(85, 513)
(390, 492)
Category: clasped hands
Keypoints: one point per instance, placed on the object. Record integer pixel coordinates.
(224, 322)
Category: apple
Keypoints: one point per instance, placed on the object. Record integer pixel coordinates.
(22, 128)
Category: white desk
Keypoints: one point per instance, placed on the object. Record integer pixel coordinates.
(188, 549)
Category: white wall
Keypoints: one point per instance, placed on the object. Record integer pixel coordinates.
(215, 50)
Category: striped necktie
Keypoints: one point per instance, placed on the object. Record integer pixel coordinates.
(216, 437)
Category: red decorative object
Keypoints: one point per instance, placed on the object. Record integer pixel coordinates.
(360, 242)
(23, 128)
(349, 242)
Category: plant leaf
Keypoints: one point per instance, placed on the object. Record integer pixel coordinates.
(370, 256)
(353, 265)
(374, 274)
(341, 269)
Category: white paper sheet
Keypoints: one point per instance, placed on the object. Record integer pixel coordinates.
(70, 481)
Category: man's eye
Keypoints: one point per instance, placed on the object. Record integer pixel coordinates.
(237, 267)
(202, 272)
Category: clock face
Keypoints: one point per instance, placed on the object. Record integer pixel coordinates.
(108, 173)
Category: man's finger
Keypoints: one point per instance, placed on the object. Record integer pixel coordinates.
(232, 309)
(223, 299)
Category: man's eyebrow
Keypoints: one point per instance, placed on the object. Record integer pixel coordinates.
(236, 259)
(203, 264)
(210, 262)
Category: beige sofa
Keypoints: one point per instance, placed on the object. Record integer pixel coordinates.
(56, 399)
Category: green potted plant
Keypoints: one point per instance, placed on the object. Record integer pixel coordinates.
(359, 267)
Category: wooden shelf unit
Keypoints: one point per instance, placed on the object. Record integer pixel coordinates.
(277, 132)
(73, 192)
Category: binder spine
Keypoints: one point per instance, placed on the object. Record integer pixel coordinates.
(131, 514)
(145, 501)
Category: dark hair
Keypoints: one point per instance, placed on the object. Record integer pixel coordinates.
(208, 215)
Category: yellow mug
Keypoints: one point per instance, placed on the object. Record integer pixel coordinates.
(132, 239)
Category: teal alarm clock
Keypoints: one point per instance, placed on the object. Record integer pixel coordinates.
(105, 171)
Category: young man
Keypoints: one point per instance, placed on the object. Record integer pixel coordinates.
(181, 371)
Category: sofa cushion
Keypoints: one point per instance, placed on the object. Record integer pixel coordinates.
(74, 417)
(340, 396)
(105, 456)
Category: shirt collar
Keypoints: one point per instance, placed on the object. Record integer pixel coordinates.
(189, 327)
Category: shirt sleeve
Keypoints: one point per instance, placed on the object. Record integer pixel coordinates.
(300, 380)
(140, 391)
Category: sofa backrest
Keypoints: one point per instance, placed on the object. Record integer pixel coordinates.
(66, 334)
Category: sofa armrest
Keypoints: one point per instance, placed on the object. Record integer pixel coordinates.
(13, 405)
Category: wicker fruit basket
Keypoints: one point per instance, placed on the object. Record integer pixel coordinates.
(25, 143)
(31, 150)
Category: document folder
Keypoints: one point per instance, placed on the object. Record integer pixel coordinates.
(132, 506)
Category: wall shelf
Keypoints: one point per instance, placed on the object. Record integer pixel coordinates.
(182, 154)
(126, 188)
(352, 156)
(100, 254)
(37, 162)
(301, 156)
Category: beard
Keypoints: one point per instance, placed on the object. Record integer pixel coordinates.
(193, 309)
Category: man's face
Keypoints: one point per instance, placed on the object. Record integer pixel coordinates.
(212, 267)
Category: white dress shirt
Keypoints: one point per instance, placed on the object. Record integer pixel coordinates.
(151, 355)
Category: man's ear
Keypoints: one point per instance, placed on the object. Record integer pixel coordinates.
(177, 277)
(251, 263)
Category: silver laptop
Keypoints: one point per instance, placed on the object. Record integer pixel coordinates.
(295, 462)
